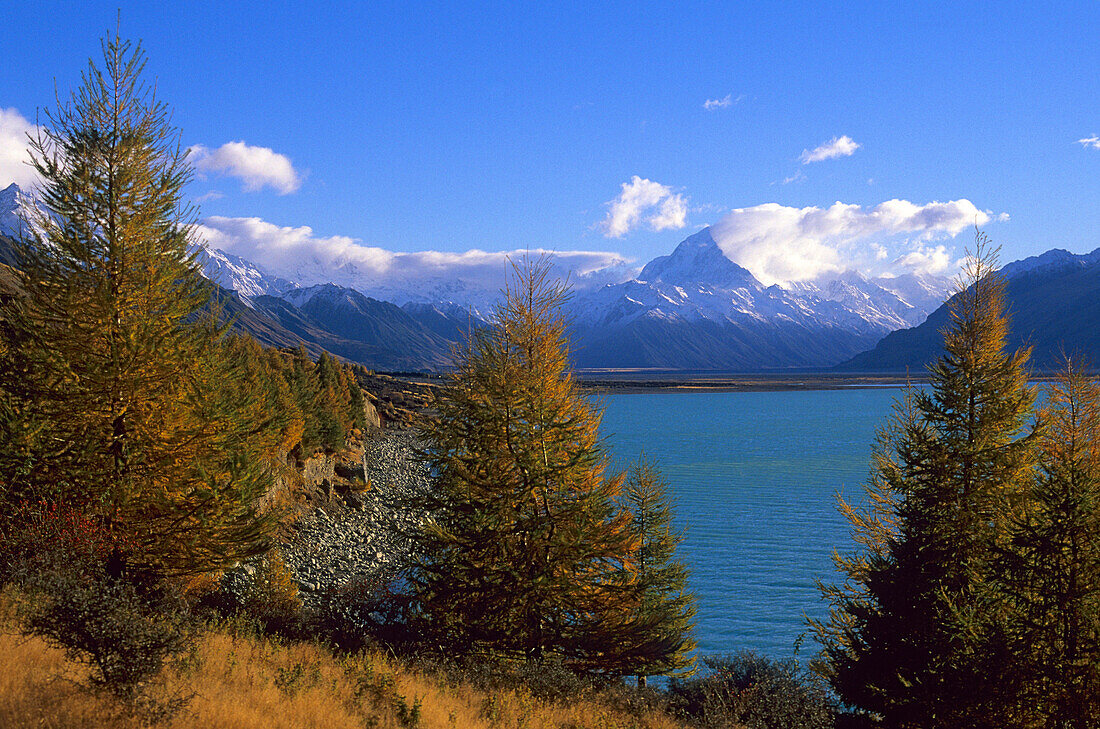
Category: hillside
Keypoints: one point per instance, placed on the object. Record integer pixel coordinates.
(1054, 302)
(238, 681)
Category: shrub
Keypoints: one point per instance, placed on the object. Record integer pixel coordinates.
(262, 593)
(47, 527)
(745, 689)
(125, 627)
(374, 609)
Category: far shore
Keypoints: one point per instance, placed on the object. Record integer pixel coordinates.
(627, 381)
(658, 380)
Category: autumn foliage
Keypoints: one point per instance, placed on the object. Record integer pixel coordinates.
(528, 550)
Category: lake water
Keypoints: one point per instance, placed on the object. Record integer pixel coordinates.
(754, 476)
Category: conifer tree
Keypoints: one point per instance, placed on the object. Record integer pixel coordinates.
(1050, 572)
(666, 609)
(118, 383)
(916, 634)
(526, 552)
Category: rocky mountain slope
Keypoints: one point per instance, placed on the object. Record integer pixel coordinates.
(375, 333)
(236, 274)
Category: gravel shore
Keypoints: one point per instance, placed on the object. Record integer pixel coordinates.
(362, 535)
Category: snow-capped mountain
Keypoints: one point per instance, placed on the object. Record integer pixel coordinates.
(740, 322)
(894, 302)
(237, 274)
(693, 309)
(14, 203)
(698, 281)
(1054, 305)
(1053, 260)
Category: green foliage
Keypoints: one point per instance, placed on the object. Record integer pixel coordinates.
(116, 395)
(315, 405)
(1050, 571)
(747, 690)
(916, 634)
(662, 642)
(526, 552)
(123, 626)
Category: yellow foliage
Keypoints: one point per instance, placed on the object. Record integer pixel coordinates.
(273, 586)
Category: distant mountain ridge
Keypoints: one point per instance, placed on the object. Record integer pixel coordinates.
(697, 309)
(11, 224)
(235, 273)
(691, 309)
(1054, 303)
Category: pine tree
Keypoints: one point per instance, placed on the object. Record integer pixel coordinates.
(527, 553)
(916, 634)
(130, 406)
(666, 609)
(1050, 572)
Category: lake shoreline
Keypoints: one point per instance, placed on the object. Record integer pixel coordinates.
(627, 381)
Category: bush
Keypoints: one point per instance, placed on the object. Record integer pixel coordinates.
(262, 593)
(125, 627)
(366, 610)
(745, 689)
(43, 528)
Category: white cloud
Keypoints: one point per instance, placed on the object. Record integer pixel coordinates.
(14, 157)
(258, 167)
(835, 147)
(644, 202)
(297, 254)
(926, 259)
(712, 104)
(781, 244)
(1093, 141)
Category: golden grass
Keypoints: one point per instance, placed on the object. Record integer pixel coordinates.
(245, 683)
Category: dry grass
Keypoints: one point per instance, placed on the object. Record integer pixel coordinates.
(243, 682)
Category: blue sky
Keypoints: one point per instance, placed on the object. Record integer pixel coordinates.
(448, 127)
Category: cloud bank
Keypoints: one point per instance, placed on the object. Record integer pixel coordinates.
(644, 202)
(835, 147)
(782, 244)
(1093, 141)
(14, 157)
(298, 254)
(257, 167)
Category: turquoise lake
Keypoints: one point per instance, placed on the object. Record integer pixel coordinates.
(754, 476)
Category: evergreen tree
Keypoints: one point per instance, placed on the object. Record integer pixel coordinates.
(526, 552)
(115, 382)
(916, 635)
(666, 608)
(1050, 572)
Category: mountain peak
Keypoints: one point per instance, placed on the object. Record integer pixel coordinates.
(1052, 260)
(698, 259)
(12, 201)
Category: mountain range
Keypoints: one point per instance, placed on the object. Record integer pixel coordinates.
(691, 309)
(697, 309)
(1054, 306)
